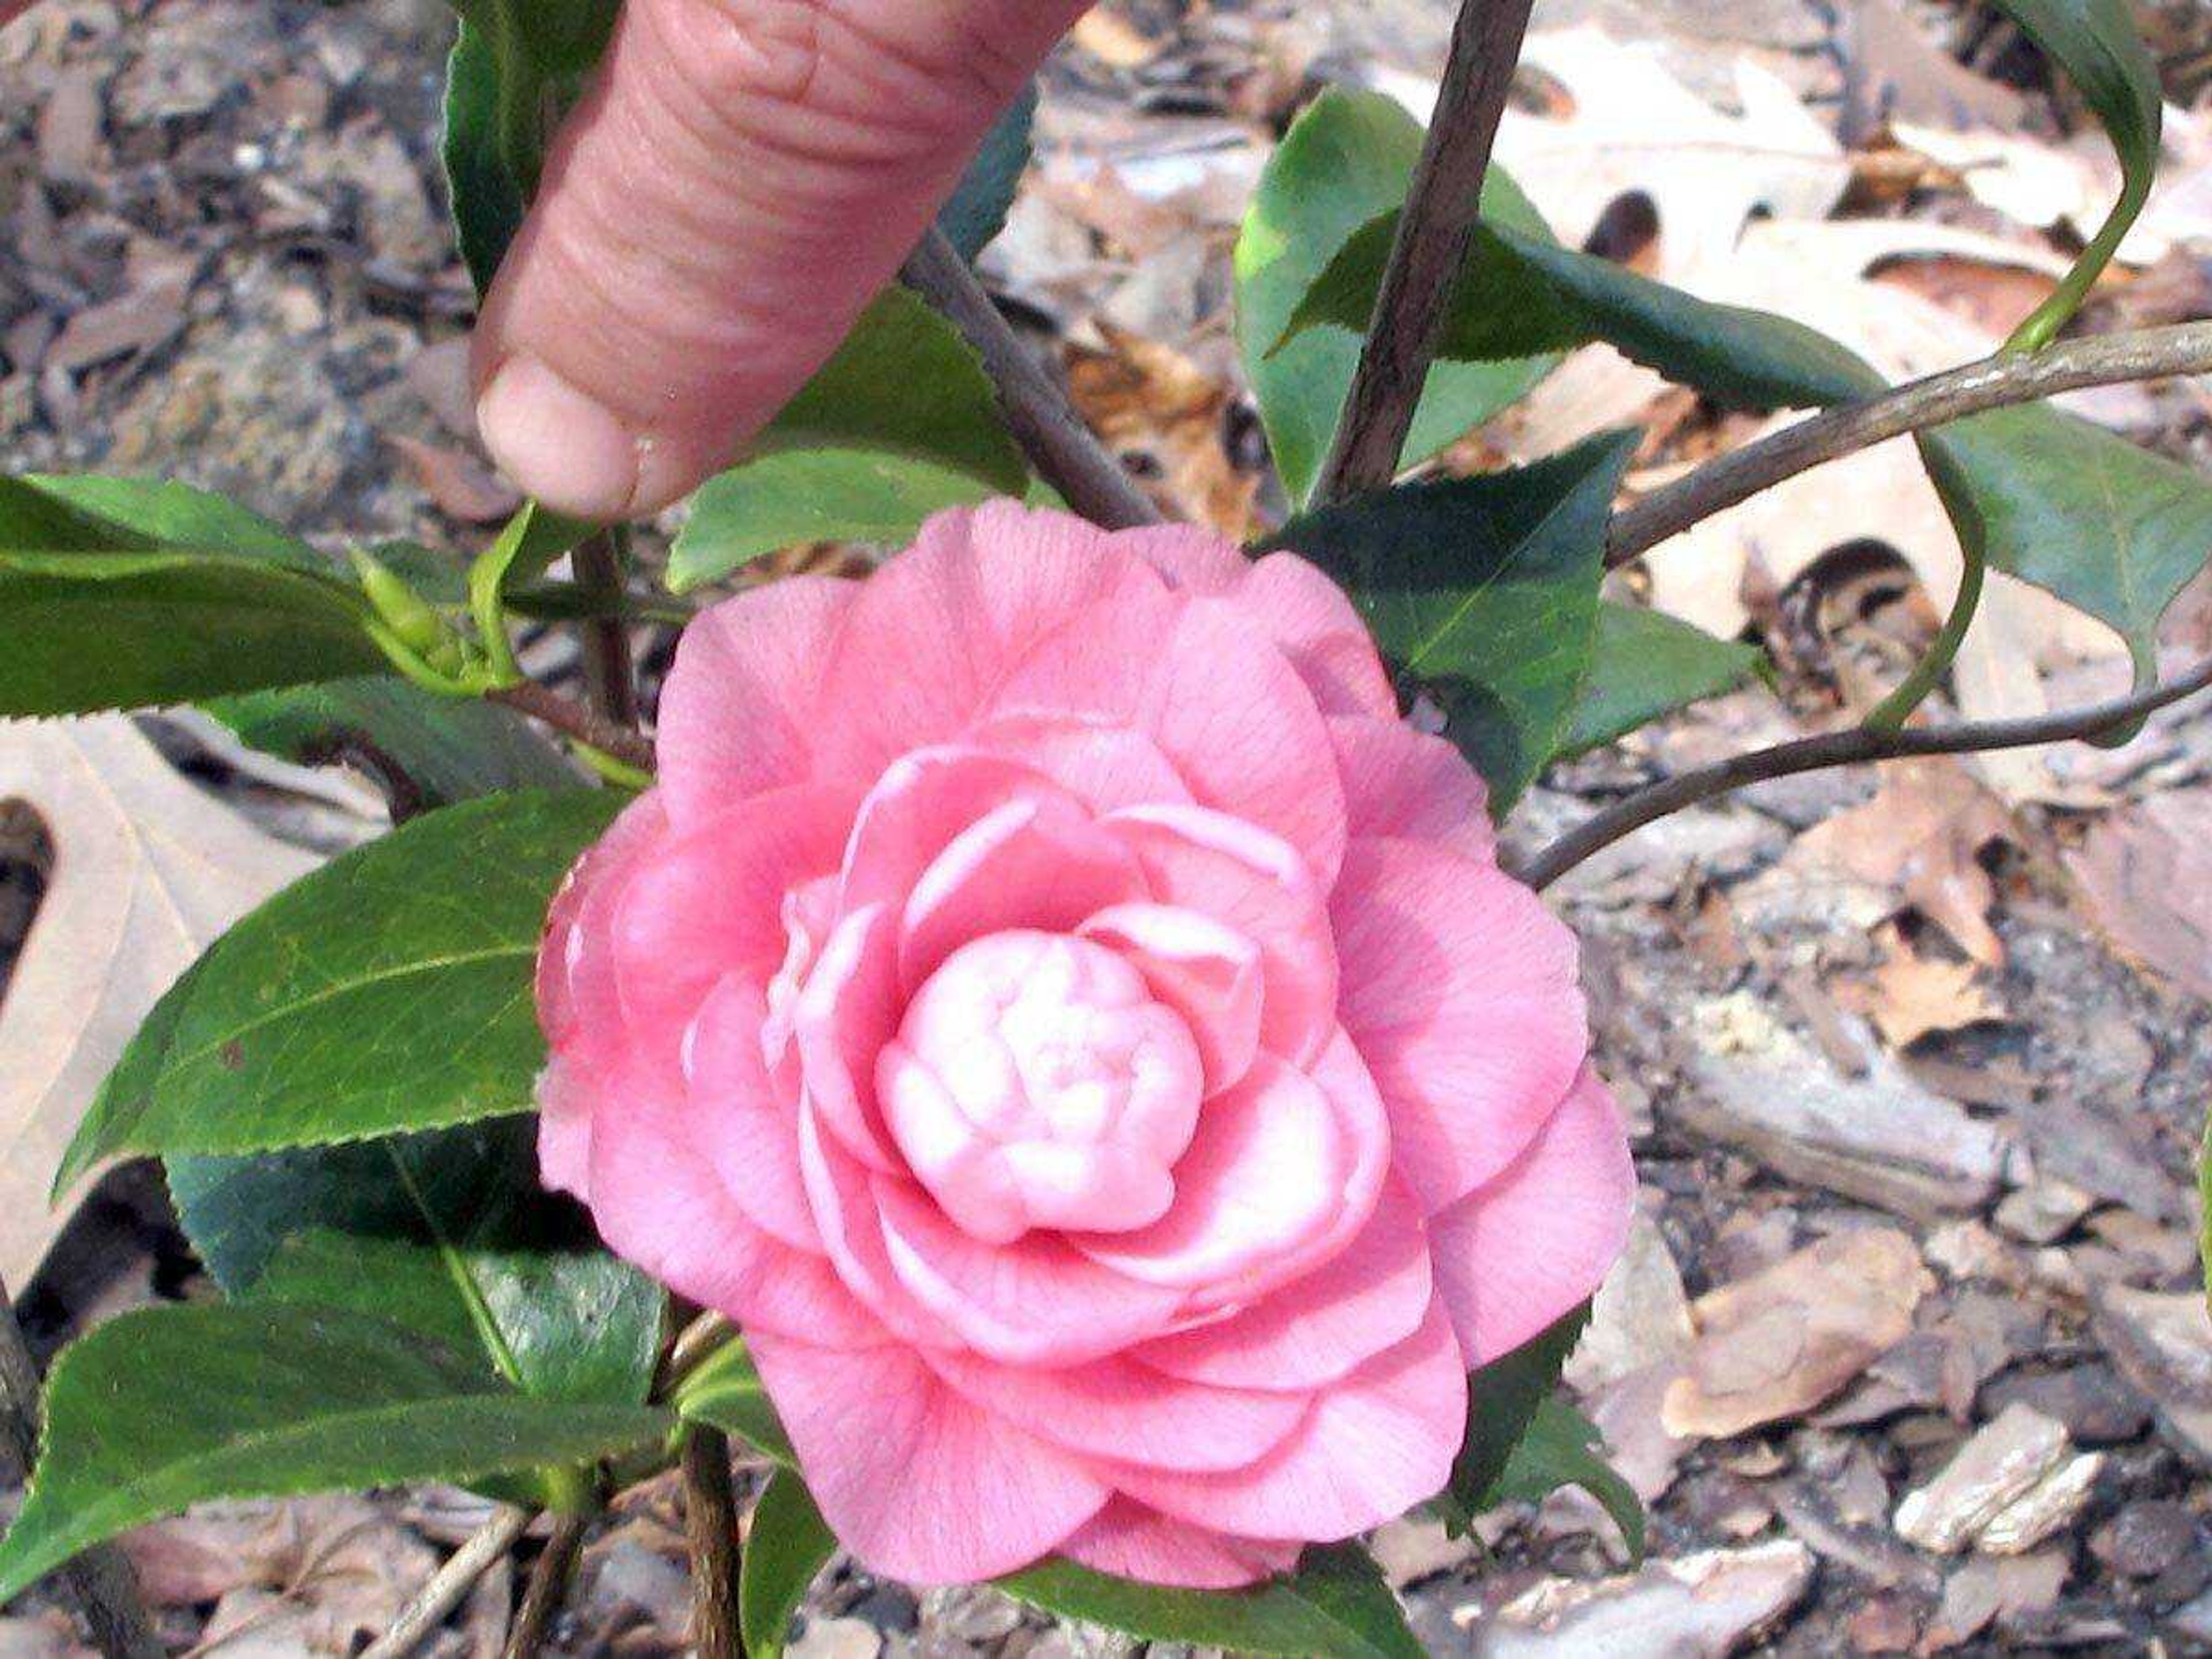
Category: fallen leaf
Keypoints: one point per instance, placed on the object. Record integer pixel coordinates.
(1894, 72)
(1113, 41)
(1910, 996)
(462, 487)
(2146, 871)
(146, 871)
(1151, 403)
(315, 1575)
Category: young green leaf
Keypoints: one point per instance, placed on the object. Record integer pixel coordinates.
(390, 990)
(1559, 1450)
(788, 1545)
(1335, 1606)
(167, 1407)
(726, 1393)
(1502, 1400)
(449, 1232)
(1482, 594)
(1645, 664)
(1348, 157)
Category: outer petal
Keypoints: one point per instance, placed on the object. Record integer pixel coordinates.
(936, 628)
(1459, 990)
(919, 803)
(1205, 970)
(839, 1188)
(1131, 1541)
(1371, 1296)
(916, 1482)
(1513, 1257)
(564, 1131)
(1398, 781)
(1375, 1445)
(737, 717)
(756, 1152)
(576, 987)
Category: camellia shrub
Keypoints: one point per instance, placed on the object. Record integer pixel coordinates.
(1039, 1041)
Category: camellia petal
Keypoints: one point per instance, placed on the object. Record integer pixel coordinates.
(1408, 784)
(1205, 970)
(1131, 1541)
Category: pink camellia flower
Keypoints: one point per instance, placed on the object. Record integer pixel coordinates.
(1057, 1008)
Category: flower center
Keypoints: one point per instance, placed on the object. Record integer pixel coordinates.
(1034, 1083)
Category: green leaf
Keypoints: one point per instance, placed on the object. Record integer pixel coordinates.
(163, 1409)
(2097, 44)
(1502, 1401)
(904, 388)
(1334, 1607)
(443, 748)
(1346, 159)
(449, 1232)
(726, 1393)
(156, 513)
(1482, 595)
(390, 990)
(1559, 1450)
(533, 538)
(976, 213)
(786, 1548)
(812, 495)
(1646, 664)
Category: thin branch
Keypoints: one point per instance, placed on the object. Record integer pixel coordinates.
(1843, 748)
(548, 1586)
(710, 1522)
(100, 1579)
(1993, 383)
(609, 675)
(1067, 454)
(1442, 206)
(572, 720)
(451, 1584)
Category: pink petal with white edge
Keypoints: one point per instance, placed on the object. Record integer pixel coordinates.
(1040, 863)
(1112, 1409)
(1106, 766)
(737, 718)
(1205, 970)
(846, 1011)
(1241, 876)
(840, 1191)
(1398, 781)
(1131, 1541)
(1035, 1302)
(757, 1151)
(1370, 1296)
(1513, 1257)
(935, 629)
(1216, 696)
(1371, 1448)
(922, 801)
(1459, 990)
(917, 1483)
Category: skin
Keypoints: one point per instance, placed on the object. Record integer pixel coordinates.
(745, 176)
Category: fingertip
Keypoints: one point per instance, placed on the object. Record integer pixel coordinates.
(557, 444)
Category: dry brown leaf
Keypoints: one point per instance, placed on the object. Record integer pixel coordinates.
(1910, 995)
(312, 1575)
(1919, 841)
(461, 486)
(1894, 72)
(1113, 39)
(1149, 401)
(146, 871)
(2148, 873)
(1776, 1344)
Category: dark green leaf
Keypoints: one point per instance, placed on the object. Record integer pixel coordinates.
(1334, 1607)
(450, 1233)
(1646, 664)
(390, 990)
(1346, 159)
(1482, 594)
(1502, 1399)
(160, 1409)
(726, 1393)
(1559, 1450)
(788, 1545)
(972, 220)
(153, 513)
(443, 748)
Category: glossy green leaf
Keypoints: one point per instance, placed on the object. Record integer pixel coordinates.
(1482, 595)
(726, 1393)
(1347, 158)
(162, 513)
(450, 1233)
(1560, 1448)
(442, 750)
(972, 219)
(812, 495)
(787, 1547)
(1334, 1607)
(160, 1409)
(390, 990)
(1645, 664)
(1502, 1399)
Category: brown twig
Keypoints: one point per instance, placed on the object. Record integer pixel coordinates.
(572, 720)
(1992, 383)
(99, 1578)
(1442, 206)
(1067, 454)
(451, 1584)
(710, 1521)
(1844, 748)
(610, 676)
(548, 1586)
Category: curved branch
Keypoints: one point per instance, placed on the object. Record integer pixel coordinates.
(1993, 383)
(1859, 742)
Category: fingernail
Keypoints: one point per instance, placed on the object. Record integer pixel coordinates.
(557, 443)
